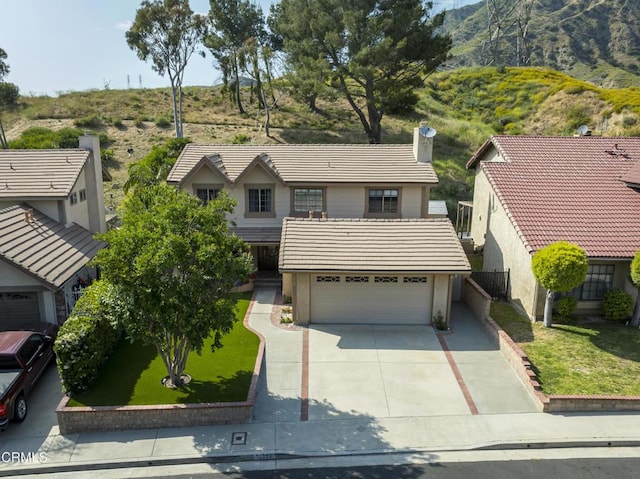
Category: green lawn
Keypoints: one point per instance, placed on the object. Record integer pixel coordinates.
(133, 374)
(581, 358)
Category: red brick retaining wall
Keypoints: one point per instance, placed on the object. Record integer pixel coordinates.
(480, 303)
(111, 418)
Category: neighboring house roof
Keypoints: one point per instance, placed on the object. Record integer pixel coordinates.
(257, 234)
(42, 247)
(371, 245)
(309, 163)
(29, 174)
(568, 188)
(438, 208)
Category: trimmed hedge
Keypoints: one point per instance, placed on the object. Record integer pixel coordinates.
(617, 305)
(88, 336)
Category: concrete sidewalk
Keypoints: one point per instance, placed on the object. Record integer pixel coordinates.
(277, 433)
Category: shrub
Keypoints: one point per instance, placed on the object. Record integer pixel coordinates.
(90, 121)
(240, 139)
(163, 122)
(565, 307)
(88, 336)
(617, 305)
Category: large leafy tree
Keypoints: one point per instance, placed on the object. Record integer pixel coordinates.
(371, 49)
(167, 32)
(635, 279)
(558, 268)
(176, 261)
(232, 24)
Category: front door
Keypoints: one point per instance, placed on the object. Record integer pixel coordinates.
(268, 258)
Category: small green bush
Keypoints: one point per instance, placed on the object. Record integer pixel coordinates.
(617, 305)
(88, 336)
(565, 307)
(163, 122)
(89, 121)
(240, 139)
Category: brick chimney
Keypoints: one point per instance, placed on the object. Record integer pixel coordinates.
(93, 182)
(423, 143)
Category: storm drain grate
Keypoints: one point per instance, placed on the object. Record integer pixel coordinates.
(238, 438)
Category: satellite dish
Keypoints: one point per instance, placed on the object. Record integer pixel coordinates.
(427, 132)
(584, 130)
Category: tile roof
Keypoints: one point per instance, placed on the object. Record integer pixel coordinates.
(568, 188)
(28, 174)
(311, 163)
(256, 235)
(371, 245)
(44, 248)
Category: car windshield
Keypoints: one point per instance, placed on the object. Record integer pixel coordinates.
(8, 363)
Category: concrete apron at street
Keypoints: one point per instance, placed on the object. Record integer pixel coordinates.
(363, 390)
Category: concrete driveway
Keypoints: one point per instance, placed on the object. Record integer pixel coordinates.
(399, 371)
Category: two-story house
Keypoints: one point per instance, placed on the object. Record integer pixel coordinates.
(51, 205)
(348, 226)
(533, 191)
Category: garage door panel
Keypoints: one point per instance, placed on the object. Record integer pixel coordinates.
(18, 309)
(371, 302)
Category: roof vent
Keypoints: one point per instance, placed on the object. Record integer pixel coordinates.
(28, 215)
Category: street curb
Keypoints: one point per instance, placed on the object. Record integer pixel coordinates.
(227, 459)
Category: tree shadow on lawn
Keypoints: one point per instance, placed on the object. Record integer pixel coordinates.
(222, 389)
(614, 338)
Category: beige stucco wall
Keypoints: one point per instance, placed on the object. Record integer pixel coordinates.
(78, 213)
(12, 277)
(301, 298)
(48, 207)
(342, 201)
(441, 296)
(502, 247)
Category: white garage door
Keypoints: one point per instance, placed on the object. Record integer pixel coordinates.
(371, 299)
(17, 309)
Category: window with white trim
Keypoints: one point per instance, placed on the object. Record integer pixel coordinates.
(83, 195)
(73, 199)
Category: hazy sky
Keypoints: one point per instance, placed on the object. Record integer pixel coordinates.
(55, 46)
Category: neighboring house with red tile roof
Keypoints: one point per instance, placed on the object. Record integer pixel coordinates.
(51, 205)
(532, 191)
(380, 189)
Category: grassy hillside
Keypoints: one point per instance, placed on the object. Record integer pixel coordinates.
(465, 106)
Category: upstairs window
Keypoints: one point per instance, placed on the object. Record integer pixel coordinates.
(207, 194)
(83, 195)
(259, 201)
(308, 199)
(382, 201)
(73, 199)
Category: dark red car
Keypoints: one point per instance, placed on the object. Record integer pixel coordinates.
(24, 356)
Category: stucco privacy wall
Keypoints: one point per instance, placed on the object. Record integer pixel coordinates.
(503, 247)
